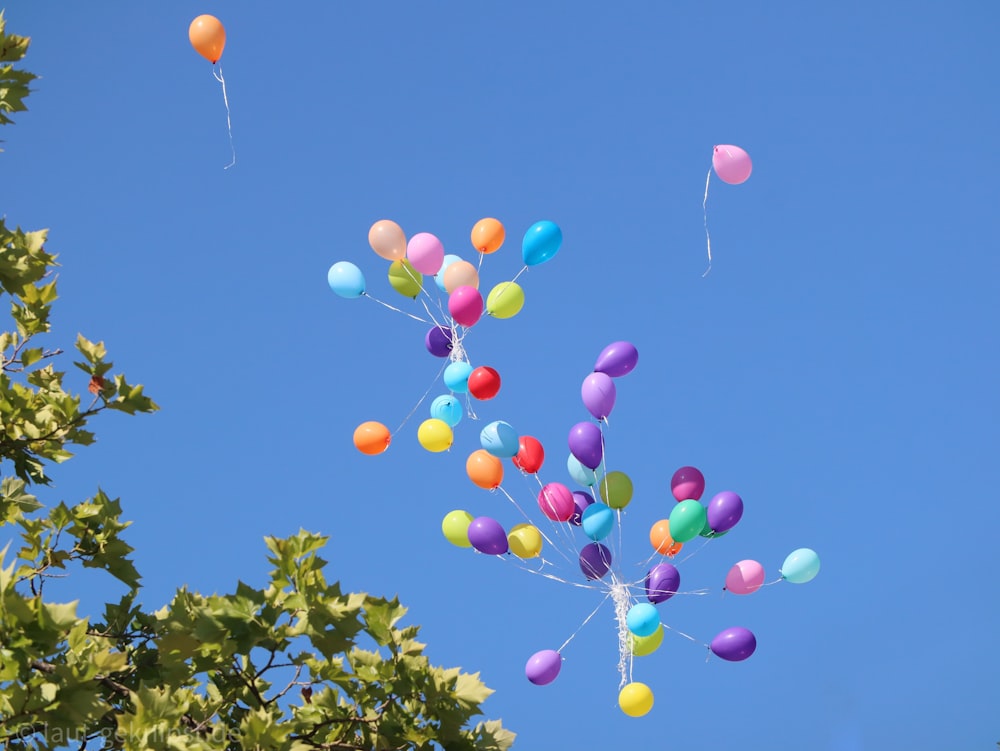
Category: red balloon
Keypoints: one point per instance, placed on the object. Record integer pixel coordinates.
(484, 383)
(530, 455)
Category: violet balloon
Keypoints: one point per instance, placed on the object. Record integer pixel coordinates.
(580, 502)
(688, 483)
(487, 536)
(598, 392)
(595, 560)
(438, 341)
(617, 359)
(724, 511)
(543, 667)
(586, 443)
(734, 644)
(662, 582)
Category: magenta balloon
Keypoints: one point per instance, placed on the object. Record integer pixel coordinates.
(734, 644)
(487, 536)
(688, 483)
(745, 578)
(598, 392)
(465, 305)
(586, 443)
(556, 502)
(580, 502)
(617, 359)
(543, 667)
(662, 582)
(732, 164)
(724, 511)
(595, 560)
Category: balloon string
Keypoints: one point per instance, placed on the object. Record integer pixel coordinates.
(622, 598)
(390, 307)
(585, 622)
(419, 401)
(527, 518)
(229, 122)
(708, 238)
(686, 636)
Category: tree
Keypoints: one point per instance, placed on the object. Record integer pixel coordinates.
(297, 664)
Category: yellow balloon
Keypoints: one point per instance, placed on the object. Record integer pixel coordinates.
(646, 645)
(525, 541)
(435, 435)
(460, 274)
(505, 300)
(455, 526)
(635, 699)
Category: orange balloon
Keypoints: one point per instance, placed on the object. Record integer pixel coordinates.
(484, 469)
(208, 37)
(662, 542)
(460, 274)
(387, 239)
(487, 235)
(372, 438)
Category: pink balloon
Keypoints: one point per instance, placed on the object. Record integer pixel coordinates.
(425, 253)
(745, 578)
(556, 502)
(687, 483)
(732, 164)
(465, 305)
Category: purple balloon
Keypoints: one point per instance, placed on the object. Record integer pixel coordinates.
(580, 500)
(724, 510)
(734, 644)
(586, 443)
(617, 359)
(595, 560)
(598, 393)
(687, 483)
(662, 582)
(543, 667)
(438, 341)
(487, 536)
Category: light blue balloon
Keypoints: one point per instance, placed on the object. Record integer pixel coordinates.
(642, 619)
(500, 439)
(541, 242)
(800, 566)
(439, 276)
(446, 407)
(597, 521)
(583, 475)
(456, 376)
(346, 279)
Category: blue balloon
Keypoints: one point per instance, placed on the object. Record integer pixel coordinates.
(500, 439)
(446, 407)
(642, 619)
(456, 376)
(597, 521)
(439, 276)
(541, 242)
(800, 566)
(583, 475)
(346, 279)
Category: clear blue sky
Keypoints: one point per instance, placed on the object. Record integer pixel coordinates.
(838, 367)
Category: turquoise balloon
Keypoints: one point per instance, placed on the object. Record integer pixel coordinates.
(642, 618)
(597, 521)
(500, 439)
(800, 566)
(346, 279)
(439, 276)
(541, 242)
(456, 376)
(687, 520)
(447, 408)
(583, 475)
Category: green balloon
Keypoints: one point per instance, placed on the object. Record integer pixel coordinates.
(646, 645)
(687, 520)
(455, 526)
(405, 279)
(505, 300)
(616, 490)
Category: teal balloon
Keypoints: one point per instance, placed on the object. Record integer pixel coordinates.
(449, 259)
(583, 475)
(500, 439)
(687, 520)
(800, 566)
(446, 407)
(541, 242)
(643, 618)
(346, 279)
(597, 521)
(456, 376)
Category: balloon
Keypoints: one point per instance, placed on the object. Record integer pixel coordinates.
(500, 439)
(505, 300)
(556, 502)
(525, 541)
(456, 376)
(487, 536)
(484, 469)
(530, 454)
(447, 408)
(387, 239)
(597, 521)
(800, 566)
(587, 444)
(732, 164)
(687, 482)
(616, 489)
(435, 435)
(635, 699)
(598, 392)
(617, 359)
(425, 252)
(487, 235)
(346, 279)
(439, 276)
(581, 501)
(646, 645)
(724, 511)
(583, 475)
(460, 274)
(540, 243)
(371, 438)
(734, 644)
(455, 526)
(642, 619)
(595, 560)
(543, 667)
(745, 577)
(405, 279)
(208, 37)
(662, 582)
(660, 539)
(438, 341)
(465, 305)
(484, 383)
(707, 530)
(686, 520)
